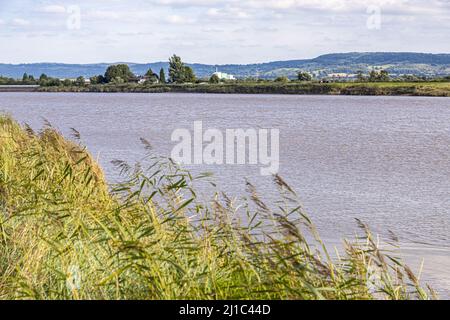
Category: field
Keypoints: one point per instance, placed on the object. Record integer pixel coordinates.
(441, 89)
(66, 234)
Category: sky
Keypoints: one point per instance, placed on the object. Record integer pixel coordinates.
(216, 31)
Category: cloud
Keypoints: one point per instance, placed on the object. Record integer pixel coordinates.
(19, 22)
(218, 31)
(53, 9)
(176, 19)
(228, 13)
(190, 3)
(104, 14)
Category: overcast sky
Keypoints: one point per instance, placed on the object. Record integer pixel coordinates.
(216, 31)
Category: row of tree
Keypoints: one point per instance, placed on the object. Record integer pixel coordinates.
(374, 76)
(179, 72)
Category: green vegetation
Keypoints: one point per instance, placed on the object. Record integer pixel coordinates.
(179, 72)
(432, 89)
(214, 79)
(119, 78)
(162, 76)
(119, 73)
(151, 77)
(66, 234)
(304, 76)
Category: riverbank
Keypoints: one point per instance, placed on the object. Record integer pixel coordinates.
(66, 234)
(430, 89)
(19, 88)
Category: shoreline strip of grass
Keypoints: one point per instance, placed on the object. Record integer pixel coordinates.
(430, 89)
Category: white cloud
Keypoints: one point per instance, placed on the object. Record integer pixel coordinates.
(19, 22)
(103, 14)
(228, 13)
(222, 30)
(176, 19)
(53, 9)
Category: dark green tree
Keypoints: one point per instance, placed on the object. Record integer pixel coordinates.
(149, 73)
(100, 79)
(360, 76)
(304, 76)
(120, 71)
(282, 79)
(80, 82)
(176, 69)
(189, 75)
(152, 77)
(67, 83)
(179, 72)
(214, 79)
(381, 76)
(162, 76)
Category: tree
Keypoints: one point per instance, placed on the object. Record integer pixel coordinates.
(214, 79)
(50, 82)
(43, 77)
(162, 76)
(360, 76)
(176, 69)
(179, 72)
(67, 82)
(384, 75)
(25, 77)
(80, 81)
(121, 71)
(375, 76)
(304, 76)
(98, 79)
(189, 75)
(152, 77)
(149, 73)
(282, 79)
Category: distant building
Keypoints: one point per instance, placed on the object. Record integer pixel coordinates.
(338, 75)
(144, 79)
(223, 75)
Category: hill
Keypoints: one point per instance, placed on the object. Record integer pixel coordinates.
(398, 63)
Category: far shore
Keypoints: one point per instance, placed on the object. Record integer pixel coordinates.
(430, 89)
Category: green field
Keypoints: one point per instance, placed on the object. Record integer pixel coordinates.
(66, 234)
(437, 89)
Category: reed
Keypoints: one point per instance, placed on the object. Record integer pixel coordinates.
(66, 234)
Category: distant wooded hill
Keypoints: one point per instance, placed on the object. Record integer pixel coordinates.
(421, 64)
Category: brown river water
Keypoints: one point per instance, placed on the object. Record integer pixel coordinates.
(384, 160)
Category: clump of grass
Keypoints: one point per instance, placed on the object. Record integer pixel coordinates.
(66, 234)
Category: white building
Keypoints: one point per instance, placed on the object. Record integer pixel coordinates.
(224, 76)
